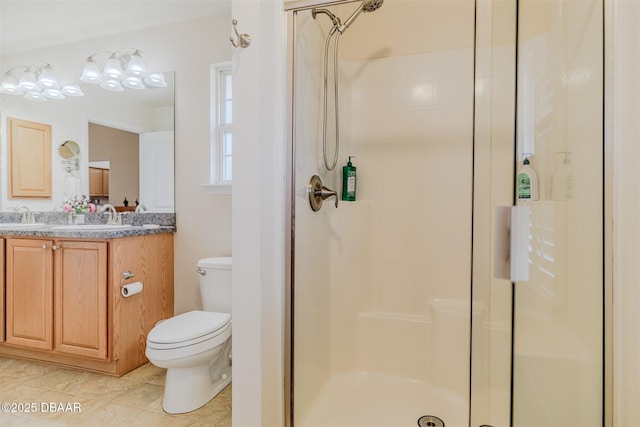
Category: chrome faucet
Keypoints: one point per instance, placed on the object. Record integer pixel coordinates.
(27, 215)
(114, 217)
(141, 208)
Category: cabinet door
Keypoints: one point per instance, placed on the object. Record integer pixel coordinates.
(95, 182)
(29, 293)
(29, 152)
(81, 298)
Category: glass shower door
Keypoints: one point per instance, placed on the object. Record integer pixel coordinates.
(538, 353)
(558, 313)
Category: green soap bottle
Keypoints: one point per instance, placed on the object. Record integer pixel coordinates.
(527, 182)
(349, 181)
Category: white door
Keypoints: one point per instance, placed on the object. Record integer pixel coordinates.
(156, 171)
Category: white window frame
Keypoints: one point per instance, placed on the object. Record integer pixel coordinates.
(218, 185)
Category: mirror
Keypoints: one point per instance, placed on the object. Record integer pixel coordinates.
(145, 112)
(69, 150)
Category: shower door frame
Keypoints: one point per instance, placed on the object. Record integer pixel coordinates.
(607, 253)
(290, 9)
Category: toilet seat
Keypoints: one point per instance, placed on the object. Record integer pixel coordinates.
(188, 329)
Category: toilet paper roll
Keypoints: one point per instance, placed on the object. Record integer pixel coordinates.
(131, 289)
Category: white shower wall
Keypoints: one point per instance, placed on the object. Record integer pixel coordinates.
(368, 274)
(409, 124)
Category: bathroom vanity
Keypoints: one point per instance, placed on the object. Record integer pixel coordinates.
(61, 298)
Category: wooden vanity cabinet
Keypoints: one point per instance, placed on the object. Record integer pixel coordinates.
(57, 289)
(64, 302)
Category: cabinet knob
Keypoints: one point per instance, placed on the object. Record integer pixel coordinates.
(55, 247)
(45, 246)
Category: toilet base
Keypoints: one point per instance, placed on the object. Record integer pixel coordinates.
(187, 389)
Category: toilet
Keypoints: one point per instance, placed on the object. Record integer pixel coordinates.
(195, 347)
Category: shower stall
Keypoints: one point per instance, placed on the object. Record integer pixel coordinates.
(402, 305)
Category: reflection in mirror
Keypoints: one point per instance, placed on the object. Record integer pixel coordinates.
(140, 158)
(113, 165)
(147, 113)
(69, 150)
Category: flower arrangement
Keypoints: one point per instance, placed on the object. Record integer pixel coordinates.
(78, 205)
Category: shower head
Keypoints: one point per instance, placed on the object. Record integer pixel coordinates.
(371, 5)
(366, 6)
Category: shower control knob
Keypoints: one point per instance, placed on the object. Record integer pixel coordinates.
(318, 193)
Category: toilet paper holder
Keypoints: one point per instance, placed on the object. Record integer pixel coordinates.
(126, 275)
(129, 289)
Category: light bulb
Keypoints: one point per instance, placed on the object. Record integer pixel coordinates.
(53, 93)
(72, 90)
(135, 66)
(112, 85)
(9, 86)
(91, 72)
(28, 80)
(35, 95)
(113, 70)
(155, 80)
(47, 78)
(133, 83)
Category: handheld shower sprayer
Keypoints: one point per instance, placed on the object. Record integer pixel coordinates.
(365, 6)
(337, 29)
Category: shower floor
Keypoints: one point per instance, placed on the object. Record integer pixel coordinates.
(365, 399)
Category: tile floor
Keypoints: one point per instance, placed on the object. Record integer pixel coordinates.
(134, 399)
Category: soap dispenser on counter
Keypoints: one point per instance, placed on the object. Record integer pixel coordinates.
(349, 181)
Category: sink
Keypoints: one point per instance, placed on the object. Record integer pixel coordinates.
(20, 225)
(90, 227)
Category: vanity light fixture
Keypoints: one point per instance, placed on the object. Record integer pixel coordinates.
(124, 69)
(36, 82)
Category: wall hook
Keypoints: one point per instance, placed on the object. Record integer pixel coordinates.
(244, 40)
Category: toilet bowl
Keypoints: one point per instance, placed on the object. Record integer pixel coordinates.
(195, 347)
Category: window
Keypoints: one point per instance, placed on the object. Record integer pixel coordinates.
(221, 129)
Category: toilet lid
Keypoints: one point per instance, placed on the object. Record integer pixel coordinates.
(188, 326)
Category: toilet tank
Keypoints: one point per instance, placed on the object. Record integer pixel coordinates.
(215, 284)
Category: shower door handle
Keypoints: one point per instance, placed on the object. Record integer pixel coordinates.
(512, 243)
(318, 193)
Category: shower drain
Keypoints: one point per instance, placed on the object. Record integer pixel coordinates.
(430, 421)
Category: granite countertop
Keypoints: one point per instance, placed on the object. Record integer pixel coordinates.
(89, 232)
(48, 224)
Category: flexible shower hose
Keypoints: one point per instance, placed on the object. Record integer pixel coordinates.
(335, 88)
